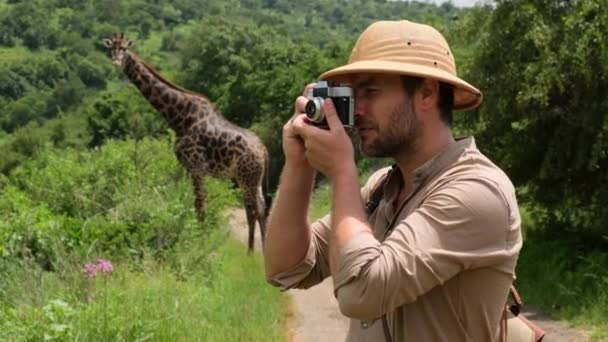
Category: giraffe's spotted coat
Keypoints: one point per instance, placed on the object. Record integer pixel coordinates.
(205, 142)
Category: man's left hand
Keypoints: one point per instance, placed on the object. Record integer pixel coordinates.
(330, 151)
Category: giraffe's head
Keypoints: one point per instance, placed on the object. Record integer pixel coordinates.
(119, 45)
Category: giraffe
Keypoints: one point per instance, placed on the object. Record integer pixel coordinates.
(206, 143)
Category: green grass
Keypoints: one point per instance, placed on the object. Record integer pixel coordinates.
(321, 199)
(223, 297)
(321, 202)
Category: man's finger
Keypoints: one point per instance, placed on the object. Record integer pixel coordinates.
(300, 104)
(308, 86)
(301, 127)
(330, 114)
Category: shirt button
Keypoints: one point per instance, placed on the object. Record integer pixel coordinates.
(364, 325)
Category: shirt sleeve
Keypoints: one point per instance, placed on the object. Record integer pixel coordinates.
(314, 267)
(461, 226)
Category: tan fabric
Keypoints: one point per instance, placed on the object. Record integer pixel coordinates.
(444, 271)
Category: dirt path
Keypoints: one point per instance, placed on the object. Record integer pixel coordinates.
(317, 318)
(556, 331)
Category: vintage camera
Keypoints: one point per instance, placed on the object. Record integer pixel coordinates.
(342, 97)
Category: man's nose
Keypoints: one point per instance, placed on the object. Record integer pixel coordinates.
(359, 106)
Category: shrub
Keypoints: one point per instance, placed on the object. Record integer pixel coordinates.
(125, 197)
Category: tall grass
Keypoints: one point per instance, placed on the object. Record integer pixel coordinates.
(225, 298)
(173, 278)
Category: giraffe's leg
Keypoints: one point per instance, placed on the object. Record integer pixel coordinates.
(251, 224)
(256, 211)
(261, 213)
(199, 196)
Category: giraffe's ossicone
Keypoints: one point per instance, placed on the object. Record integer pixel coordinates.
(206, 143)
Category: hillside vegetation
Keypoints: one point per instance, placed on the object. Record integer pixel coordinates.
(87, 169)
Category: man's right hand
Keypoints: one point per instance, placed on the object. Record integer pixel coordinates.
(293, 145)
(288, 233)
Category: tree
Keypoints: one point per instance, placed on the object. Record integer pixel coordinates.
(123, 114)
(253, 74)
(543, 67)
(32, 20)
(93, 70)
(12, 85)
(32, 107)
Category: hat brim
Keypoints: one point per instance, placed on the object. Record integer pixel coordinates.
(465, 95)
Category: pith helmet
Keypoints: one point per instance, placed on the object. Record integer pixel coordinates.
(407, 48)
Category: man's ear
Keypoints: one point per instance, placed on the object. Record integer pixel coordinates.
(428, 93)
(107, 43)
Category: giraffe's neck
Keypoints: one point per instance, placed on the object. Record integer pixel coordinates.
(175, 104)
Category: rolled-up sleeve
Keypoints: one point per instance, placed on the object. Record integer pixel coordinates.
(461, 226)
(314, 267)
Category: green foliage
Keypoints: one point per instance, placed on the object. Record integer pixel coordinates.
(254, 59)
(29, 22)
(93, 71)
(12, 85)
(541, 66)
(222, 67)
(545, 114)
(253, 74)
(27, 141)
(121, 198)
(123, 114)
(28, 109)
(35, 89)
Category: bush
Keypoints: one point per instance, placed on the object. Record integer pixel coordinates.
(124, 198)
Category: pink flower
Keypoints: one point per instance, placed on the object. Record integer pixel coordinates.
(102, 265)
(90, 270)
(105, 265)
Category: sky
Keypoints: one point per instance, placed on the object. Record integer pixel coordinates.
(459, 3)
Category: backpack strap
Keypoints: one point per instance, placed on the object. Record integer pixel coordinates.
(377, 194)
(515, 308)
(517, 321)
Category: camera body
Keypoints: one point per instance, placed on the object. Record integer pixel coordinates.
(341, 96)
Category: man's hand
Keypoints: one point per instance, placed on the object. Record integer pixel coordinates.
(293, 144)
(328, 150)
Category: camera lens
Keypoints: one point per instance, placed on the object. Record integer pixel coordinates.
(314, 109)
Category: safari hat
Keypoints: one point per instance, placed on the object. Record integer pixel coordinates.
(407, 48)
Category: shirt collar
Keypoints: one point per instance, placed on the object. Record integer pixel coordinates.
(436, 164)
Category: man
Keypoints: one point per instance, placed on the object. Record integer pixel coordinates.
(435, 259)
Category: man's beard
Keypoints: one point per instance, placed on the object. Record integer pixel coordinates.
(399, 135)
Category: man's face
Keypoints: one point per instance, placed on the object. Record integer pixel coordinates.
(384, 115)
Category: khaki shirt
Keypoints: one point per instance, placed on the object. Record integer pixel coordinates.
(440, 267)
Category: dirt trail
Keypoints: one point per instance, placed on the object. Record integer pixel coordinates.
(317, 318)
